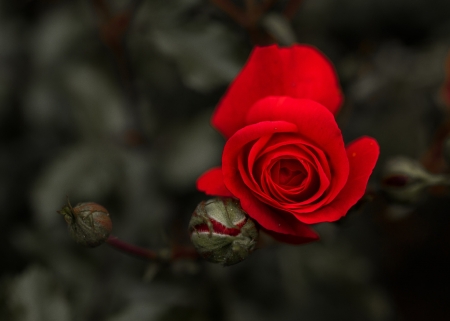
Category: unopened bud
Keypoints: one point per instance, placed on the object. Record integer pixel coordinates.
(222, 232)
(405, 180)
(89, 223)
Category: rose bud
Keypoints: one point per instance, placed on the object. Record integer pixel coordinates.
(222, 232)
(89, 223)
(405, 180)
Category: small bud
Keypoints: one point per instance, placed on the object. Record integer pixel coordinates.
(222, 232)
(405, 180)
(89, 223)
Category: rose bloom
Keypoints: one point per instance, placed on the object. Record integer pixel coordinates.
(284, 157)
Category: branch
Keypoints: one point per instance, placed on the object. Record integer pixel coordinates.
(291, 8)
(165, 255)
(236, 13)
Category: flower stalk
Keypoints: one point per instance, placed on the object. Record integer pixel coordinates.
(164, 255)
(90, 225)
(250, 16)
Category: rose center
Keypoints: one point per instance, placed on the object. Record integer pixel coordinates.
(288, 172)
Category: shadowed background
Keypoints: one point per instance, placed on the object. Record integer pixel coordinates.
(110, 101)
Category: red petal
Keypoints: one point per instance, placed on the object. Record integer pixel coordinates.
(315, 155)
(299, 72)
(234, 148)
(282, 195)
(362, 155)
(267, 217)
(274, 220)
(211, 182)
(315, 124)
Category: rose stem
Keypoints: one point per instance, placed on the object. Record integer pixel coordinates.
(113, 30)
(174, 254)
(232, 10)
(291, 9)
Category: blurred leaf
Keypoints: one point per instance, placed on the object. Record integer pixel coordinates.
(97, 103)
(84, 172)
(195, 149)
(80, 276)
(162, 13)
(42, 106)
(59, 33)
(204, 50)
(151, 304)
(279, 27)
(36, 296)
(182, 313)
(445, 89)
(203, 54)
(140, 311)
(11, 43)
(327, 281)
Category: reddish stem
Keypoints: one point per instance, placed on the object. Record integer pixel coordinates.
(250, 16)
(174, 254)
(291, 8)
(267, 4)
(113, 29)
(233, 11)
(131, 249)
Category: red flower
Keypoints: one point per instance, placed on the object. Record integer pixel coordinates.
(284, 158)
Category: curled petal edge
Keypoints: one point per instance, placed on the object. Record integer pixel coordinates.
(362, 155)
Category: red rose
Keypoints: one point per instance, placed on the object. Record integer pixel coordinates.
(285, 158)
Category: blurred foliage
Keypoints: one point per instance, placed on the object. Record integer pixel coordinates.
(114, 107)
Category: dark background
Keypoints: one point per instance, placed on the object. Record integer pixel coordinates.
(110, 101)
